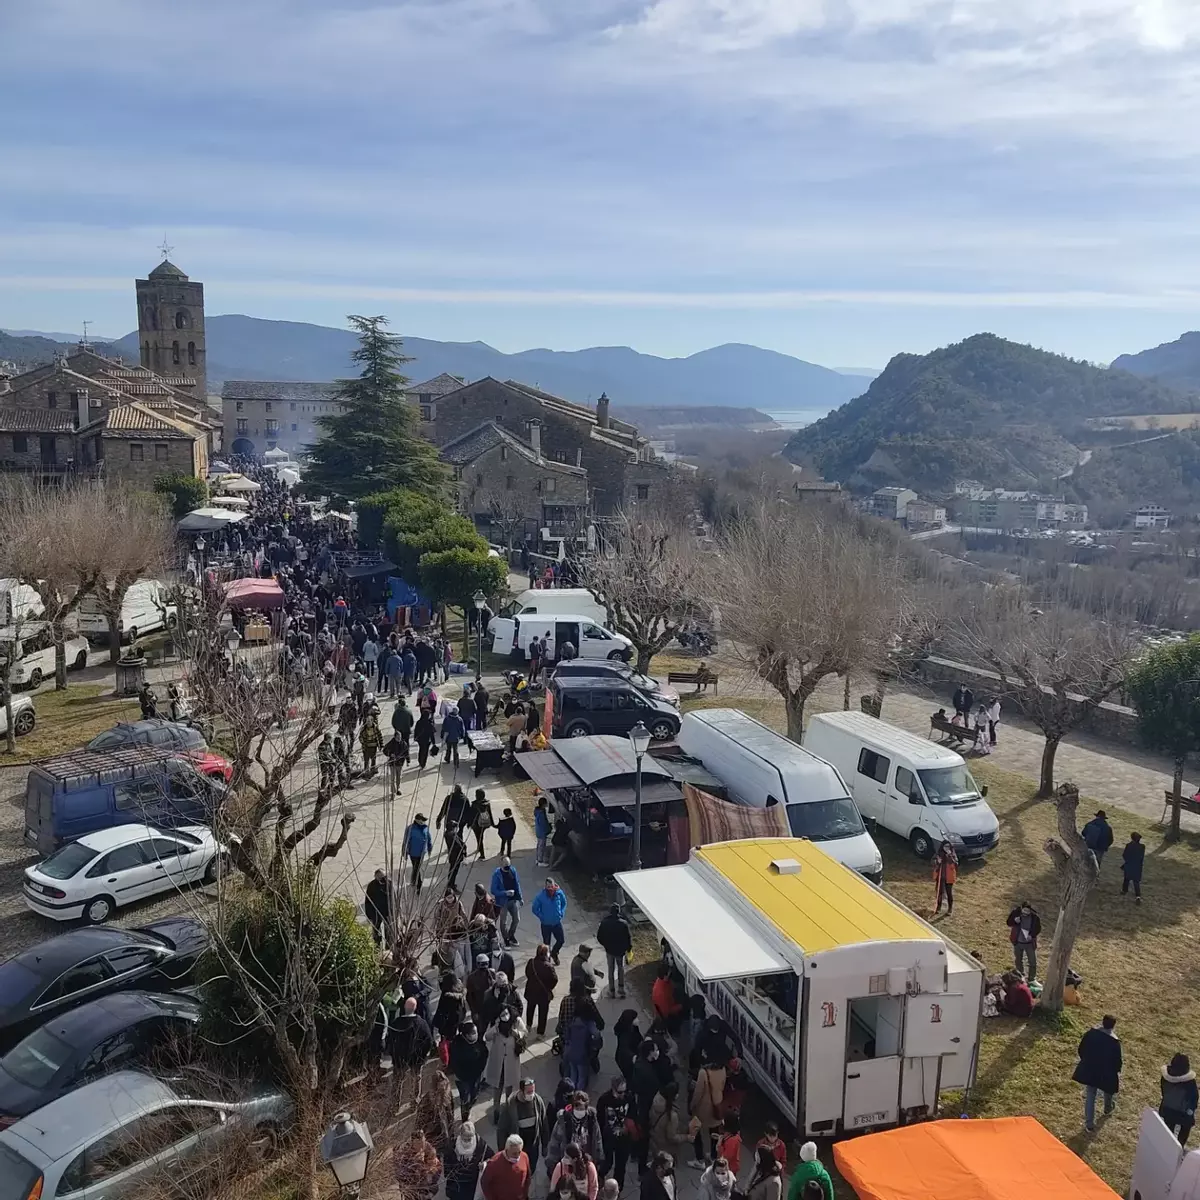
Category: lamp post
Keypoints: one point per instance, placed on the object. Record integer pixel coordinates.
(233, 640)
(639, 738)
(346, 1150)
(200, 548)
(480, 600)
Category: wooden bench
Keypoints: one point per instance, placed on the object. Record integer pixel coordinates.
(700, 680)
(1187, 804)
(956, 733)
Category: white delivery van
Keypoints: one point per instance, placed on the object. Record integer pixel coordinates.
(34, 652)
(761, 767)
(144, 610)
(18, 602)
(851, 1012)
(502, 629)
(918, 789)
(589, 639)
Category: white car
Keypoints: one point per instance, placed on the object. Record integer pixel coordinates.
(103, 871)
(24, 716)
(35, 653)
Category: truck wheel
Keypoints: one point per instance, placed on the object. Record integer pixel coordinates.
(23, 722)
(80, 660)
(35, 677)
(923, 845)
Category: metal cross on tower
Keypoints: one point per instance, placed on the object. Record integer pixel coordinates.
(166, 250)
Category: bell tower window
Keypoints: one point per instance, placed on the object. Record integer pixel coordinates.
(175, 353)
(191, 354)
(181, 320)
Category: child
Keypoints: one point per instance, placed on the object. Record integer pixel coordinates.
(729, 1142)
(506, 827)
(774, 1143)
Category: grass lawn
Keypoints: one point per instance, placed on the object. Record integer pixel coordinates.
(1140, 963)
(67, 719)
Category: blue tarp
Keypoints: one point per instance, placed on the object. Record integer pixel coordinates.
(404, 595)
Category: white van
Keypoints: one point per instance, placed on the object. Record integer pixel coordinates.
(589, 639)
(18, 602)
(546, 601)
(914, 787)
(761, 767)
(144, 609)
(35, 653)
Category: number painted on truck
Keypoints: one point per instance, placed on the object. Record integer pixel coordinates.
(828, 1014)
(935, 1014)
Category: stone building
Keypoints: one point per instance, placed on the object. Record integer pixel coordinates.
(261, 416)
(426, 394)
(511, 490)
(171, 327)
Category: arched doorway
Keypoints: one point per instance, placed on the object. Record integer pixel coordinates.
(244, 447)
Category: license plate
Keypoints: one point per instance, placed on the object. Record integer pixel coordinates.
(34, 887)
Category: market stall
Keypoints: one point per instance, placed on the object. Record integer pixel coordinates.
(205, 520)
(254, 593)
(1006, 1158)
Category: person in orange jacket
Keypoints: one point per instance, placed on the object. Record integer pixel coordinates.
(945, 876)
(666, 1003)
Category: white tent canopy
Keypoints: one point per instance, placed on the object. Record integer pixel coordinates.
(204, 520)
(238, 483)
(231, 501)
(275, 455)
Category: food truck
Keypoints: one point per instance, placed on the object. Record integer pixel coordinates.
(853, 1013)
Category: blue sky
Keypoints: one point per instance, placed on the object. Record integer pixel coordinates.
(835, 179)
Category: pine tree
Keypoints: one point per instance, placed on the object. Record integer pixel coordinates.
(373, 444)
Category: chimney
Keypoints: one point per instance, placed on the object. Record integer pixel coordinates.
(535, 436)
(579, 456)
(602, 411)
(5, 378)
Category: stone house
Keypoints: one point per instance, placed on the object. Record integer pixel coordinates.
(137, 444)
(427, 393)
(260, 416)
(510, 489)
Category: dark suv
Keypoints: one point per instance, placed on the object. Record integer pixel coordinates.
(590, 704)
(614, 669)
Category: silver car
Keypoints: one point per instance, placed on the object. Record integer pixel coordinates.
(105, 1139)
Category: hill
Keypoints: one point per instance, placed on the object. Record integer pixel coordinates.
(29, 350)
(1177, 363)
(1160, 470)
(242, 347)
(984, 408)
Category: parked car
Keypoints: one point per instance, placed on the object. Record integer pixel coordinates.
(184, 739)
(108, 1138)
(114, 1033)
(616, 669)
(146, 607)
(103, 871)
(24, 716)
(82, 965)
(595, 704)
(34, 651)
(84, 791)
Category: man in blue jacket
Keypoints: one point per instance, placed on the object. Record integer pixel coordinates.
(549, 906)
(506, 888)
(418, 842)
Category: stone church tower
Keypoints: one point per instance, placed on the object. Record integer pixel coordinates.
(171, 326)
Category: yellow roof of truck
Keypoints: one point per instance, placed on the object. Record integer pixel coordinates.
(823, 906)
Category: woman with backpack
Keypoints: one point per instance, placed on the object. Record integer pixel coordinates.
(480, 818)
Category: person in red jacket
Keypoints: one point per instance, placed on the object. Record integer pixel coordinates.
(666, 1002)
(507, 1175)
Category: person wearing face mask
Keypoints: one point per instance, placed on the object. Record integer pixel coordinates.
(462, 1162)
(501, 996)
(658, 1183)
(580, 1170)
(506, 1043)
(507, 1175)
(524, 1113)
(644, 1085)
(717, 1182)
(468, 1058)
(578, 1124)
(613, 1110)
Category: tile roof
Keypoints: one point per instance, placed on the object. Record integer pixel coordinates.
(35, 420)
(469, 446)
(438, 386)
(256, 389)
(136, 420)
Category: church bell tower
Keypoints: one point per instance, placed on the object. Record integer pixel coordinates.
(171, 326)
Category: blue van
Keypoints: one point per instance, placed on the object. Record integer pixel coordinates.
(87, 790)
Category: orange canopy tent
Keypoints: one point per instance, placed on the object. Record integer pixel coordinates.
(1009, 1158)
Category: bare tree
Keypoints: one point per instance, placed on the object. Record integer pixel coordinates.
(648, 576)
(1077, 871)
(805, 593)
(1056, 665)
(920, 626)
(506, 512)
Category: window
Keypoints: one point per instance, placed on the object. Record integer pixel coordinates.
(74, 399)
(109, 1055)
(643, 491)
(272, 425)
(595, 633)
(123, 858)
(504, 454)
(295, 428)
(239, 405)
(191, 354)
(35, 1061)
(426, 412)
(131, 958)
(602, 701)
(509, 482)
(165, 848)
(161, 452)
(630, 700)
(181, 320)
(243, 425)
(20, 443)
(550, 484)
(175, 353)
(905, 783)
(873, 766)
(267, 406)
(88, 974)
(292, 406)
(146, 354)
(133, 794)
(51, 399)
(135, 452)
(425, 397)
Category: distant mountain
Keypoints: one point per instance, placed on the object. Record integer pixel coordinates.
(1176, 363)
(242, 347)
(985, 409)
(29, 349)
(864, 372)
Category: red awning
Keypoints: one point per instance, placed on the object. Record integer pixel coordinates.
(254, 593)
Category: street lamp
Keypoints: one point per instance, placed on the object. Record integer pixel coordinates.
(639, 739)
(200, 548)
(233, 640)
(480, 600)
(346, 1151)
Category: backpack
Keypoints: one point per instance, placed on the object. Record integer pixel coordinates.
(483, 817)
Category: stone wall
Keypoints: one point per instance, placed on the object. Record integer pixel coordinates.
(30, 458)
(178, 456)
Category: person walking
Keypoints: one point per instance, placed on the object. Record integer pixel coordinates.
(402, 725)
(664, 1129)
(1024, 926)
(456, 852)
(370, 739)
(540, 981)
(808, 1169)
(451, 1009)
(993, 719)
(579, 1039)
(717, 1181)
(524, 1113)
(418, 842)
(506, 889)
(453, 732)
(426, 738)
(508, 1174)
(394, 674)
(705, 1108)
(535, 660)
(541, 829)
(481, 819)
(766, 1183)
(481, 705)
(613, 1110)
(577, 1124)
(468, 1058)
(549, 907)
(463, 1162)
(1098, 835)
(410, 1040)
(945, 876)
(963, 700)
(1133, 857)
(377, 905)
(616, 940)
(408, 669)
(1179, 1097)
(1099, 1069)
(658, 1181)
(506, 1043)
(381, 668)
(506, 827)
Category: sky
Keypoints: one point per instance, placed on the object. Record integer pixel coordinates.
(840, 180)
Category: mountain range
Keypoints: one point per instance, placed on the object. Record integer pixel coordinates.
(241, 347)
(1176, 363)
(985, 408)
